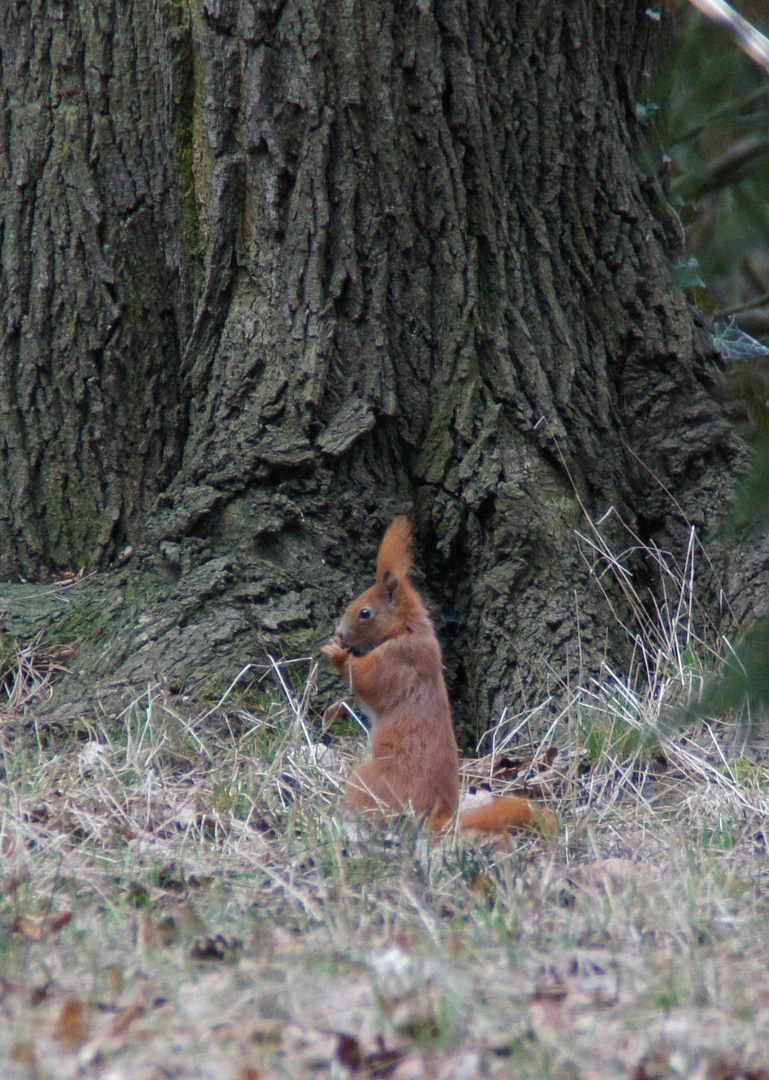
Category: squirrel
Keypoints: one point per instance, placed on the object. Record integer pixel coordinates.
(386, 650)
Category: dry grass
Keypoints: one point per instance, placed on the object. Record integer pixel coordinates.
(181, 899)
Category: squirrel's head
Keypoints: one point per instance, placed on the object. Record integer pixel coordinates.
(384, 610)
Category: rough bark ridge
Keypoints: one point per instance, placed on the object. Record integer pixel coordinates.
(93, 296)
(431, 277)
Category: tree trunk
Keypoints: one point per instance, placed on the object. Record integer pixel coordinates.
(275, 270)
(96, 288)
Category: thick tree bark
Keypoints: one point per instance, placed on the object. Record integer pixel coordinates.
(275, 271)
(95, 296)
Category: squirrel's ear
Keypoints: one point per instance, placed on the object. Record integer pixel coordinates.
(395, 550)
(389, 585)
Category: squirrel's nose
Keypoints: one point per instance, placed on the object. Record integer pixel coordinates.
(340, 632)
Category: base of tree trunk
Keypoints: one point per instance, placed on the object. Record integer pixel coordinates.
(193, 619)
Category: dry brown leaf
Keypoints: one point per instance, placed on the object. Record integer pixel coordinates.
(38, 994)
(381, 1062)
(116, 980)
(167, 930)
(216, 947)
(35, 928)
(137, 894)
(121, 1023)
(482, 884)
(155, 934)
(24, 1053)
(266, 1030)
(112, 1034)
(508, 768)
(71, 1028)
(29, 926)
(339, 708)
(68, 577)
(11, 884)
(58, 921)
(349, 1052)
(37, 814)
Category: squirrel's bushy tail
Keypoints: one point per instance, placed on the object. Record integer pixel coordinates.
(508, 812)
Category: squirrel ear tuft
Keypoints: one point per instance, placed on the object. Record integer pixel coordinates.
(395, 551)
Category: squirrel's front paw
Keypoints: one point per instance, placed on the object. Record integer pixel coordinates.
(335, 652)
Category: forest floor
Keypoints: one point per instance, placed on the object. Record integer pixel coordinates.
(181, 898)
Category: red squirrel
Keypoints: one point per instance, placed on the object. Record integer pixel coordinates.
(386, 650)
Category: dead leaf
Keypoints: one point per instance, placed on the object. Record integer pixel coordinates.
(349, 1052)
(39, 993)
(137, 894)
(35, 928)
(339, 708)
(169, 877)
(24, 1053)
(122, 1023)
(112, 1035)
(507, 768)
(71, 1029)
(268, 1028)
(155, 934)
(382, 1062)
(483, 885)
(29, 927)
(216, 948)
(11, 884)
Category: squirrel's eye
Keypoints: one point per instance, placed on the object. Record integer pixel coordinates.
(365, 613)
